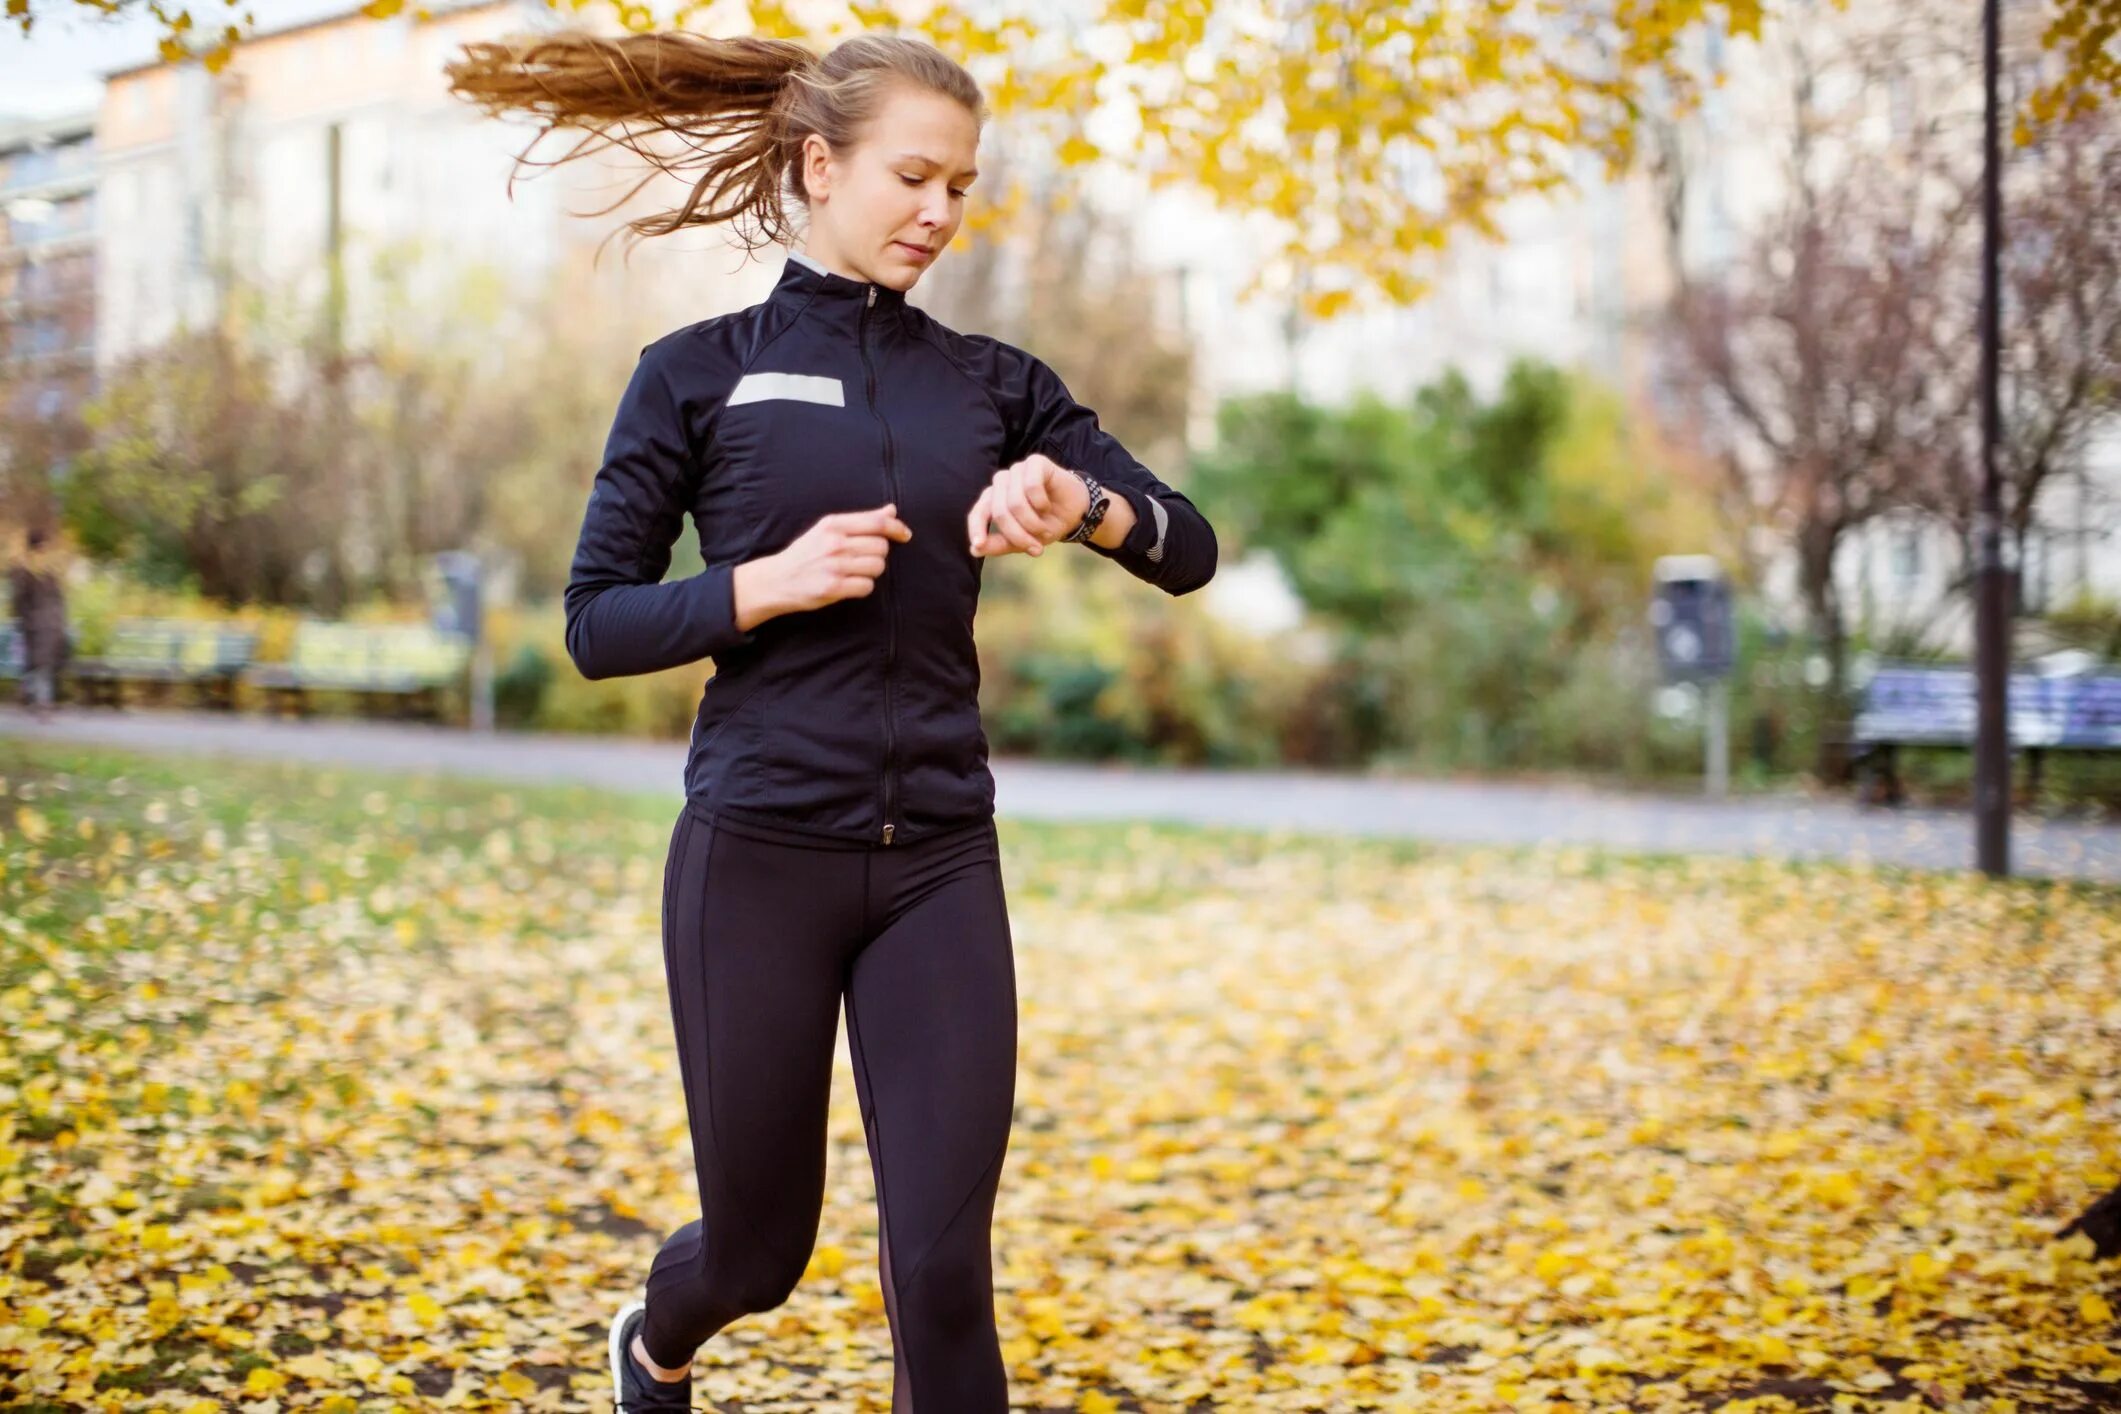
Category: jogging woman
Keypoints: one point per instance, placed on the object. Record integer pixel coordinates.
(850, 464)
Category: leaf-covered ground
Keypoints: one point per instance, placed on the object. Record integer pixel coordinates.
(322, 1091)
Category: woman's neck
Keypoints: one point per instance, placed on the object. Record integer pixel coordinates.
(828, 267)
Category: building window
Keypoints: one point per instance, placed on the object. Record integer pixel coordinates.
(2033, 571)
(1907, 554)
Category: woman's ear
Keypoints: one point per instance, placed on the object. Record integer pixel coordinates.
(817, 167)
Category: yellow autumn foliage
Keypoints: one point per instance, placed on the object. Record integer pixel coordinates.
(333, 1091)
(1376, 129)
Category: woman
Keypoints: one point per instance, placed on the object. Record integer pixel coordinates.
(850, 464)
(37, 594)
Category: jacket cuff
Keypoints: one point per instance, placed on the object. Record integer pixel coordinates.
(714, 609)
(1141, 536)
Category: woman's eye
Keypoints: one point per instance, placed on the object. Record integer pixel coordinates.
(916, 181)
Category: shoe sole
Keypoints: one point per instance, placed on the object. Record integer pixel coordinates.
(618, 1325)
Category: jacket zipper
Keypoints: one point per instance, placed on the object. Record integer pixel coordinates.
(890, 600)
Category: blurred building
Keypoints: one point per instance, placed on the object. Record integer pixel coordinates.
(1569, 282)
(47, 278)
(338, 138)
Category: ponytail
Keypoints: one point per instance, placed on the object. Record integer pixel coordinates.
(738, 108)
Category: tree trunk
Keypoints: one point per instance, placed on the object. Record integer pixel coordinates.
(1822, 602)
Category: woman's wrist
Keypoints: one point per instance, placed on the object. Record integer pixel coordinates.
(754, 590)
(1118, 519)
(1112, 527)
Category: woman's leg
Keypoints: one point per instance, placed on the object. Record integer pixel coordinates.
(931, 1028)
(754, 941)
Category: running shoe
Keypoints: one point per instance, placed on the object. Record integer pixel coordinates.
(633, 1389)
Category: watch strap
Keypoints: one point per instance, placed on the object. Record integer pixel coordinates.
(1099, 499)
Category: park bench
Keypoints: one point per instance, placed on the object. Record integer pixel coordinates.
(167, 654)
(1935, 705)
(409, 665)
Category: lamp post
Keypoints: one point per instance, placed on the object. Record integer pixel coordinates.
(1992, 760)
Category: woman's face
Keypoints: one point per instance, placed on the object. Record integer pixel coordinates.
(885, 211)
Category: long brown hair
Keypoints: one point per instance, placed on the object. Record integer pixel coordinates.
(739, 108)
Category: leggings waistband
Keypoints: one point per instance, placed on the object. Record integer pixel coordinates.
(773, 834)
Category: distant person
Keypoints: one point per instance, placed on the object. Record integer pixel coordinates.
(37, 596)
(838, 837)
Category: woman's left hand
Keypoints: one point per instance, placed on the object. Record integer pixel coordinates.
(1029, 505)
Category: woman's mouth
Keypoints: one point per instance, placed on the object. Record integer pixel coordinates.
(917, 252)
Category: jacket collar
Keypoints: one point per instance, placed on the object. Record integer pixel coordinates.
(837, 299)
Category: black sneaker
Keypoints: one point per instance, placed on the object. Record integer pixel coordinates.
(633, 1389)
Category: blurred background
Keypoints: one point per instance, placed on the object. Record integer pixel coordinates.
(276, 331)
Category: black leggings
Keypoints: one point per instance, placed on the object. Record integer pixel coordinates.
(763, 931)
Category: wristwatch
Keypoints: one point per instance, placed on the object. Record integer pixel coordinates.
(1099, 499)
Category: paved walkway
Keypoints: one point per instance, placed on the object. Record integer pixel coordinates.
(1786, 825)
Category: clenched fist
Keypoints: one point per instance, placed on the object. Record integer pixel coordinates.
(838, 558)
(1027, 507)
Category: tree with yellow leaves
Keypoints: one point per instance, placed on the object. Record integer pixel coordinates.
(1376, 130)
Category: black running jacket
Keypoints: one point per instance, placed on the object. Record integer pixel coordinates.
(857, 721)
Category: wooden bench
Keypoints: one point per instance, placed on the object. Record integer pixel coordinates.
(1924, 705)
(167, 654)
(410, 666)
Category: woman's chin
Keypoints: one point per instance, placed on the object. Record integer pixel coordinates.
(904, 257)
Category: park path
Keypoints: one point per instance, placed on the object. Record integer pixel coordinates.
(1785, 825)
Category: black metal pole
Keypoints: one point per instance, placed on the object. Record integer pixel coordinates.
(1992, 624)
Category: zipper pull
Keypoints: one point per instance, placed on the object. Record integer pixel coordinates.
(887, 834)
(872, 302)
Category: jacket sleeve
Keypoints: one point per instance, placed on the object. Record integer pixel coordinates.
(621, 618)
(1171, 544)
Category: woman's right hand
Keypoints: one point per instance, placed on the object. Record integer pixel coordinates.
(838, 558)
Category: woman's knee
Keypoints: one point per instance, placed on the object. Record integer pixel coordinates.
(953, 1291)
(738, 1275)
(756, 1277)
(770, 1283)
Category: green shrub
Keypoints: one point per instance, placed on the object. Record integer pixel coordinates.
(519, 687)
(2090, 623)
